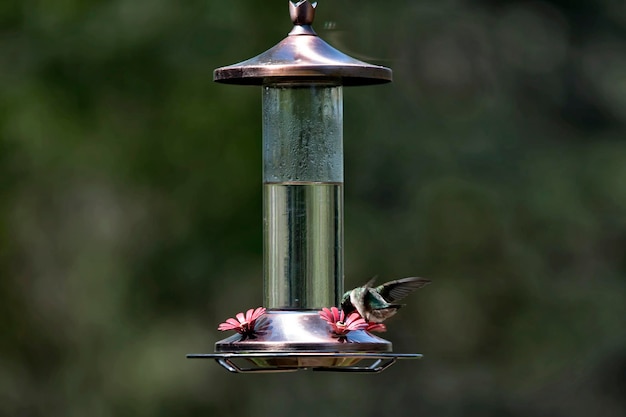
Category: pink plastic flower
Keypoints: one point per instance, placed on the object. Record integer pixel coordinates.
(376, 327)
(341, 325)
(244, 323)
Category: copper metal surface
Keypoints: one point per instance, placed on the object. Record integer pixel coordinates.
(301, 331)
(303, 336)
(303, 57)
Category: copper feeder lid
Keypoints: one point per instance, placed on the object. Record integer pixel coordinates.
(302, 55)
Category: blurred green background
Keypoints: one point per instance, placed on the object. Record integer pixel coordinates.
(130, 206)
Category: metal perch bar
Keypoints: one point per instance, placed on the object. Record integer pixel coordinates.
(382, 361)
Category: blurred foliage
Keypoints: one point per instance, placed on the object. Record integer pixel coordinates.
(130, 205)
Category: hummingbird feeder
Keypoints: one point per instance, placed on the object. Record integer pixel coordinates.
(302, 78)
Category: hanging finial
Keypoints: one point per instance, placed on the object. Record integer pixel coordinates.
(302, 12)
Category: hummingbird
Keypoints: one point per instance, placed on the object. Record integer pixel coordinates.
(376, 304)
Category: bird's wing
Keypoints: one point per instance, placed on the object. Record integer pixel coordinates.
(400, 288)
(370, 282)
(374, 300)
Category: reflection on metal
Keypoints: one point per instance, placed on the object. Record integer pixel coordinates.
(304, 340)
(301, 331)
(302, 55)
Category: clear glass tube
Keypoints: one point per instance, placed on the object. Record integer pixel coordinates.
(303, 195)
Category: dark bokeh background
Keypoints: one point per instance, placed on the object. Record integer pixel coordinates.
(130, 206)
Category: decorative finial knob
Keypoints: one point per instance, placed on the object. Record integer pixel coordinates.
(302, 12)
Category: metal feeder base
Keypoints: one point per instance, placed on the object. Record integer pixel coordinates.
(289, 362)
(292, 340)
